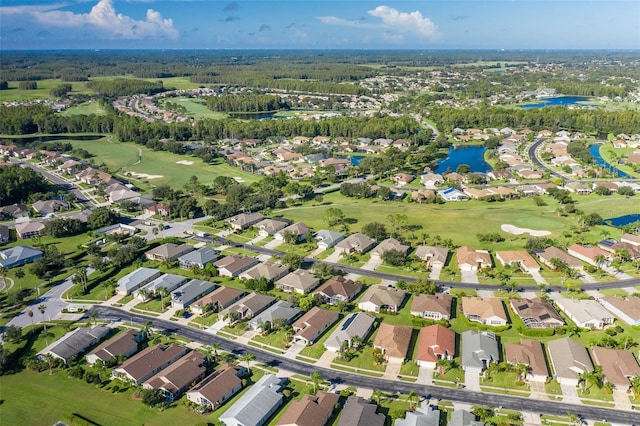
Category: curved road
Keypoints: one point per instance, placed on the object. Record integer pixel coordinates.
(340, 377)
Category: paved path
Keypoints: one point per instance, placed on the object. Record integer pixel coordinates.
(470, 277)
(538, 278)
(425, 376)
(273, 244)
(587, 278)
(326, 359)
(570, 394)
(435, 273)
(316, 252)
(392, 371)
(472, 381)
(293, 350)
(333, 257)
(372, 263)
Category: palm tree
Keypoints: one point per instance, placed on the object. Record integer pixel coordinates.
(42, 308)
(413, 399)
(316, 378)
(376, 395)
(80, 277)
(163, 292)
(19, 275)
(248, 357)
(30, 313)
(215, 346)
(146, 328)
(93, 316)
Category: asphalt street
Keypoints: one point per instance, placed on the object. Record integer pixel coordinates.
(340, 377)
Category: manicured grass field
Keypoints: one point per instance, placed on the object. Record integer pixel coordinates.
(462, 222)
(42, 92)
(86, 108)
(40, 398)
(124, 156)
(196, 108)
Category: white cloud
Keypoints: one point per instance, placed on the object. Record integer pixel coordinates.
(394, 24)
(103, 18)
(405, 22)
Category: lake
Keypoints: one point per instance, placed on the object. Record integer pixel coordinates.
(255, 116)
(595, 151)
(470, 155)
(557, 101)
(623, 220)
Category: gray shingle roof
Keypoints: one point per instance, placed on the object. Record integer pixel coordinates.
(256, 403)
(17, 255)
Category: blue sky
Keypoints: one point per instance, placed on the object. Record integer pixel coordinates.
(328, 24)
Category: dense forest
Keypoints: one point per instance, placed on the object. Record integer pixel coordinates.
(18, 183)
(125, 87)
(246, 103)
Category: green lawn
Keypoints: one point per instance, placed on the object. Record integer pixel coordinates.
(504, 382)
(123, 157)
(278, 339)
(362, 360)
(40, 398)
(195, 107)
(85, 108)
(317, 349)
(153, 305)
(410, 368)
(553, 388)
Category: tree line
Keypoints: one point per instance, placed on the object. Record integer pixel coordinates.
(246, 103)
(125, 87)
(18, 183)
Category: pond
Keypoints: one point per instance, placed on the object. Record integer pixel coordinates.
(256, 116)
(470, 155)
(557, 101)
(37, 139)
(623, 220)
(355, 159)
(595, 151)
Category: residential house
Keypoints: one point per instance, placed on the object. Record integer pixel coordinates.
(592, 255)
(219, 299)
(232, 266)
(354, 325)
(5, 234)
(49, 207)
(184, 296)
(435, 342)
(435, 257)
(433, 306)
(452, 194)
(199, 258)
(485, 310)
(311, 410)
(381, 297)
(338, 288)
(473, 260)
(423, 195)
(18, 255)
(244, 220)
(394, 341)
(124, 344)
(75, 342)
(529, 353)
(431, 180)
(568, 359)
(355, 243)
(258, 404)
(169, 282)
(168, 251)
(578, 188)
(299, 281)
(312, 324)
(158, 209)
(523, 260)
(340, 165)
(29, 229)
(176, 378)
(357, 411)
(402, 178)
(142, 366)
(612, 246)
(464, 418)
(268, 270)
(327, 239)
(217, 388)
(479, 350)
(429, 416)
(627, 308)
(280, 310)
(14, 211)
(536, 313)
(249, 307)
(136, 279)
(585, 313)
(299, 229)
(390, 244)
(631, 239)
(71, 167)
(267, 227)
(547, 255)
(619, 366)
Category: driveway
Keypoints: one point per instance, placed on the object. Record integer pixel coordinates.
(333, 257)
(273, 244)
(538, 278)
(435, 273)
(469, 277)
(372, 263)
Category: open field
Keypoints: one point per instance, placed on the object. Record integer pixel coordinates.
(86, 108)
(611, 156)
(195, 107)
(123, 157)
(462, 222)
(42, 92)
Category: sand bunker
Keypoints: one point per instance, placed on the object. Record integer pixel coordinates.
(517, 231)
(185, 162)
(238, 179)
(145, 176)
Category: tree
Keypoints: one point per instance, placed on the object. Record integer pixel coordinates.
(248, 357)
(20, 275)
(101, 217)
(163, 292)
(375, 230)
(292, 260)
(152, 397)
(13, 333)
(463, 169)
(394, 257)
(377, 395)
(93, 316)
(413, 399)
(146, 329)
(334, 216)
(316, 378)
(43, 308)
(80, 278)
(30, 314)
